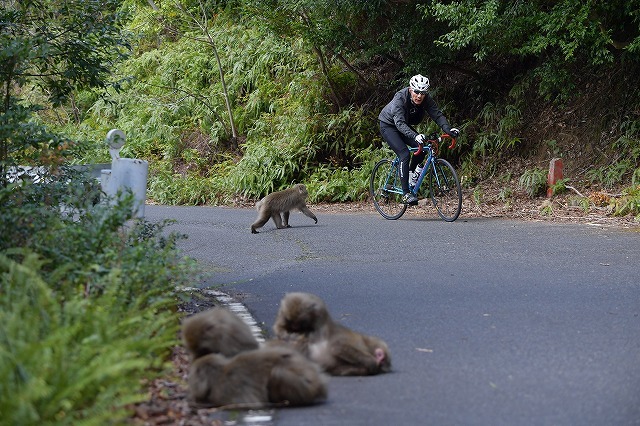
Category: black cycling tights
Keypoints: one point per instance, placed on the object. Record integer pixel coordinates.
(398, 143)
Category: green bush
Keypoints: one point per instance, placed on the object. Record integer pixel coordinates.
(76, 360)
(628, 203)
(328, 184)
(559, 187)
(87, 305)
(533, 182)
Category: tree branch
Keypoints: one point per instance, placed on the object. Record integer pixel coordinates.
(204, 28)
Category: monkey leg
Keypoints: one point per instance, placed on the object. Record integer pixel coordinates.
(305, 210)
(277, 220)
(285, 219)
(259, 223)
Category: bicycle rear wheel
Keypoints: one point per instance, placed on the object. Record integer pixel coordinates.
(445, 190)
(386, 190)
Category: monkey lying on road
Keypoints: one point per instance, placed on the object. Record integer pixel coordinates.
(229, 368)
(217, 330)
(282, 202)
(304, 321)
(257, 377)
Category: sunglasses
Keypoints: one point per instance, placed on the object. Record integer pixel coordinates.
(420, 92)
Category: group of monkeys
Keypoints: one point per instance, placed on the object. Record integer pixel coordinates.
(230, 368)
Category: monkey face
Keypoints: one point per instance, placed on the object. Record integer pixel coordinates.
(299, 325)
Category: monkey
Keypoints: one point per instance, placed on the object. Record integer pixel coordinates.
(269, 375)
(303, 321)
(282, 202)
(300, 314)
(217, 330)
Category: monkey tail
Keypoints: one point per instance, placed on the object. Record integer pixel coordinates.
(258, 204)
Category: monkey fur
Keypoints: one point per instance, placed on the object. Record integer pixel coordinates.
(217, 330)
(283, 202)
(270, 375)
(303, 321)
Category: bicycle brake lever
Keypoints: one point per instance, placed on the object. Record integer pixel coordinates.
(453, 140)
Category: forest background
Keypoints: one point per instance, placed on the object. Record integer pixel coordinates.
(230, 100)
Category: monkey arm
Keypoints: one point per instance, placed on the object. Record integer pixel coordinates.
(305, 210)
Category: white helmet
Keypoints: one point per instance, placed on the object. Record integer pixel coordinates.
(419, 83)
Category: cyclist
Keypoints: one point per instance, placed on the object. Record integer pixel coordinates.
(407, 109)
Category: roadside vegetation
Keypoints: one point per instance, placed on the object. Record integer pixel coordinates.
(87, 304)
(231, 100)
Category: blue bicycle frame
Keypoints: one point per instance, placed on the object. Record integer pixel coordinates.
(428, 163)
(385, 185)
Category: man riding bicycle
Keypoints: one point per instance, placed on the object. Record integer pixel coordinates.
(407, 109)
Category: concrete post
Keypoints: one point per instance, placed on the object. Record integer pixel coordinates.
(125, 174)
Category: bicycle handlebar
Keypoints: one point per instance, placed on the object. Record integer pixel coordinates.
(453, 140)
(435, 139)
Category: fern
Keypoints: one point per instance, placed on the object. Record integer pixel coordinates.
(533, 182)
(86, 308)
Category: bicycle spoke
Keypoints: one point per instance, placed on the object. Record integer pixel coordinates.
(385, 190)
(445, 190)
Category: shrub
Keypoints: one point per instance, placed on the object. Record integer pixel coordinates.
(628, 203)
(87, 305)
(533, 182)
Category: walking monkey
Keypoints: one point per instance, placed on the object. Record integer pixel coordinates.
(282, 202)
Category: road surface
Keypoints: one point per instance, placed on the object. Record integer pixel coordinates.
(488, 321)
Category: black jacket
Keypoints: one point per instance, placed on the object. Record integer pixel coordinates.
(403, 114)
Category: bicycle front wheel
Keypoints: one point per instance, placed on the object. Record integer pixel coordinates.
(385, 190)
(445, 190)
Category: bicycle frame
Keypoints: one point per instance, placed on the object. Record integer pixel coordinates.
(428, 164)
(444, 190)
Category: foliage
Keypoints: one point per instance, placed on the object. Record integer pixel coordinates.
(628, 203)
(583, 203)
(345, 31)
(174, 189)
(477, 196)
(559, 187)
(328, 184)
(321, 146)
(627, 158)
(495, 130)
(560, 34)
(25, 142)
(60, 45)
(280, 106)
(48, 49)
(85, 304)
(306, 80)
(533, 182)
(505, 194)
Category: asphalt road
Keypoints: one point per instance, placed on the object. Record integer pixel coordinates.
(489, 322)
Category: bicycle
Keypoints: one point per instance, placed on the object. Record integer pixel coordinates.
(444, 186)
